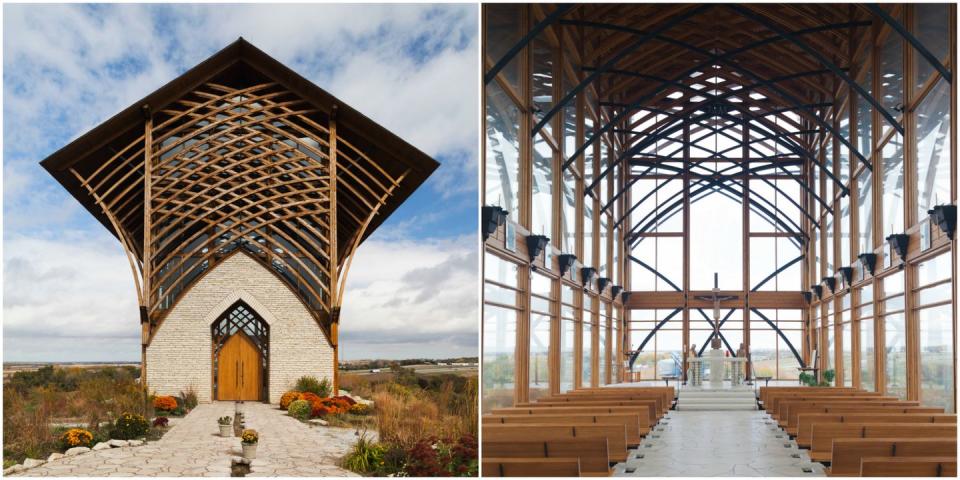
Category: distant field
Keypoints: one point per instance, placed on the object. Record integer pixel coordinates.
(466, 370)
(9, 368)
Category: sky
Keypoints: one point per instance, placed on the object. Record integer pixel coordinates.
(68, 293)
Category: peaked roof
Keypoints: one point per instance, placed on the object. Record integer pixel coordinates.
(88, 150)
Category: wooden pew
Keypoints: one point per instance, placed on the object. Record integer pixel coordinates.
(821, 447)
(847, 452)
(783, 409)
(530, 467)
(807, 421)
(635, 432)
(792, 426)
(649, 404)
(642, 412)
(777, 403)
(908, 467)
(616, 435)
(668, 394)
(593, 453)
(764, 392)
(774, 399)
(661, 407)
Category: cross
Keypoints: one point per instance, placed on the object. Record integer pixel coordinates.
(716, 298)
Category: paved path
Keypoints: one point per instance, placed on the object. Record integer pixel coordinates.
(192, 447)
(718, 444)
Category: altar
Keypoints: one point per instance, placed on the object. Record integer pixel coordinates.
(720, 368)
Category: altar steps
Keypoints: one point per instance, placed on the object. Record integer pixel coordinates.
(690, 399)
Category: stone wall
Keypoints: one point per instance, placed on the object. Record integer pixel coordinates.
(180, 354)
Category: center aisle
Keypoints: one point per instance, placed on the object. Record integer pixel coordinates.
(711, 443)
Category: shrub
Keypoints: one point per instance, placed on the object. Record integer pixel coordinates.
(360, 409)
(161, 422)
(76, 437)
(189, 398)
(289, 397)
(165, 403)
(423, 460)
(249, 436)
(319, 409)
(130, 426)
(309, 383)
(310, 397)
(365, 457)
(299, 409)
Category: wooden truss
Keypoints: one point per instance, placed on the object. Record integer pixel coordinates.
(240, 154)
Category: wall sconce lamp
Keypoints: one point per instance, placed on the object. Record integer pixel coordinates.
(624, 296)
(535, 245)
(492, 217)
(869, 261)
(898, 242)
(807, 296)
(587, 274)
(566, 261)
(615, 290)
(945, 216)
(602, 283)
(831, 283)
(817, 290)
(846, 275)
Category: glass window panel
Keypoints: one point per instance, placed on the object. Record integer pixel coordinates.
(868, 356)
(500, 270)
(669, 345)
(586, 364)
(865, 116)
(602, 351)
(569, 212)
(567, 360)
(865, 211)
(542, 187)
(892, 186)
(891, 76)
(933, 149)
(716, 225)
(936, 357)
(895, 367)
(504, 27)
(788, 366)
(502, 151)
(539, 355)
(846, 354)
(588, 236)
(499, 357)
(763, 349)
(931, 26)
(542, 84)
(844, 258)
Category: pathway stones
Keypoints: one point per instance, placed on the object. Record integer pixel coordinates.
(193, 447)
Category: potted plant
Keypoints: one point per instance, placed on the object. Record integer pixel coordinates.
(225, 426)
(248, 441)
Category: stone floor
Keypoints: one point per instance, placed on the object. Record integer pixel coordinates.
(192, 447)
(718, 444)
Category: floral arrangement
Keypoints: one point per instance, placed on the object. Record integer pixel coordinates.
(224, 421)
(299, 409)
(161, 422)
(249, 437)
(76, 437)
(165, 403)
(289, 398)
(130, 426)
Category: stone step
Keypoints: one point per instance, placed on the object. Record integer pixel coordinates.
(715, 407)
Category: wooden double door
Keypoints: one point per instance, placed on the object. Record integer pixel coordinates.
(239, 369)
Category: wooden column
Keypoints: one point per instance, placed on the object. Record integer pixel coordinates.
(334, 261)
(146, 264)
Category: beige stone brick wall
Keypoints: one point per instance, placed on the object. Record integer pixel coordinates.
(180, 354)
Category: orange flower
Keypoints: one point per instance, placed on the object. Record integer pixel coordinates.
(165, 403)
(289, 398)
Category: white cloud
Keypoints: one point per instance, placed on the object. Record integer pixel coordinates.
(413, 68)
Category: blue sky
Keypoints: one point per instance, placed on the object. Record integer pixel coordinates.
(68, 292)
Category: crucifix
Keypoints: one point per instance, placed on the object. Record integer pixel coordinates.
(716, 298)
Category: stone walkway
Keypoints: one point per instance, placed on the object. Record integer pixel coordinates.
(718, 444)
(192, 447)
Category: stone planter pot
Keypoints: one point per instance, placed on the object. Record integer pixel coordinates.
(226, 430)
(249, 450)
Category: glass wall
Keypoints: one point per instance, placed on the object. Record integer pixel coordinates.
(865, 323)
(568, 328)
(500, 315)
(894, 334)
(587, 329)
(935, 317)
(540, 322)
